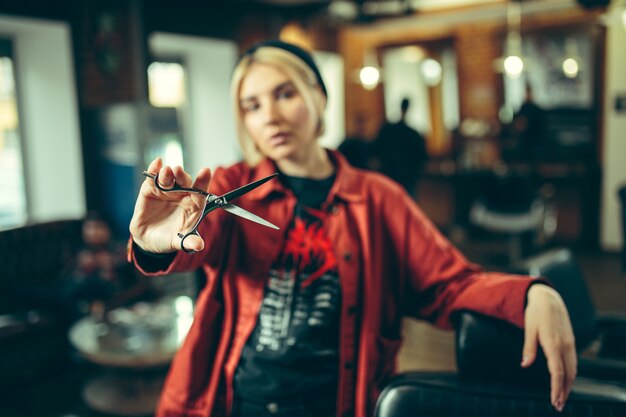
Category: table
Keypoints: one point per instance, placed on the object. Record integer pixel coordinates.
(131, 345)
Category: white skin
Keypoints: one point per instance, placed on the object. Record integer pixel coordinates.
(282, 128)
(280, 124)
(547, 324)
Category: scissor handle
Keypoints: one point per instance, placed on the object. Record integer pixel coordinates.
(185, 236)
(212, 203)
(175, 187)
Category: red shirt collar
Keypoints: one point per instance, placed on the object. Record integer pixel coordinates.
(347, 185)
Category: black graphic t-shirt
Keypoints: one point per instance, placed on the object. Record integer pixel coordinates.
(293, 352)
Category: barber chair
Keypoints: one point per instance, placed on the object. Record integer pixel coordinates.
(601, 339)
(511, 205)
(490, 381)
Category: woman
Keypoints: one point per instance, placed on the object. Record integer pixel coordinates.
(306, 320)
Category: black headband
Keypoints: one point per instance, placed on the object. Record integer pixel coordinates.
(294, 50)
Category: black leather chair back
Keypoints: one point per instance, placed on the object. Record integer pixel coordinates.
(421, 394)
(560, 268)
(488, 349)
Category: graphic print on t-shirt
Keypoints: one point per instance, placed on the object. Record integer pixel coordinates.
(300, 307)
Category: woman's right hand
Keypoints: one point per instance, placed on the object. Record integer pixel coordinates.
(160, 216)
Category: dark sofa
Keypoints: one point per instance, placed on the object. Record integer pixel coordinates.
(33, 326)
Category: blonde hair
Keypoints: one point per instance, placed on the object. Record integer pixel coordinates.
(299, 73)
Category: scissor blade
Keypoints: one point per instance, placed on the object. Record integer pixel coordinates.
(236, 210)
(232, 195)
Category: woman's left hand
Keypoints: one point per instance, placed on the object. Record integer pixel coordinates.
(547, 323)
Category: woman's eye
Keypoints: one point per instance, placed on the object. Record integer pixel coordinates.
(286, 94)
(250, 107)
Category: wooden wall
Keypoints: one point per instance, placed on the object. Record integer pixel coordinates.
(477, 45)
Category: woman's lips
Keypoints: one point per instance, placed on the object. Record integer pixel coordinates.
(278, 139)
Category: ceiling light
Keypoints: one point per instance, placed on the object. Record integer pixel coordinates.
(343, 10)
(571, 60)
(370, 74)
(512, 63)
(431, 71)
(412, 53)
(513, 66)
(570, 67)
(369, 77)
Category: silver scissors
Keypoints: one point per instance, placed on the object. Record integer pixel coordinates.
(213, 202)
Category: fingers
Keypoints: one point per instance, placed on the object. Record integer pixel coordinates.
(557, 377)
(529, 353)
(548, 324)
(203, 179)
(168, 176)
(571, 364)
(155, 166)
(570, 361)
(189, 243)
(188, 206)
(165, 175)
(181, 177)
(559, 384)
(562, 365)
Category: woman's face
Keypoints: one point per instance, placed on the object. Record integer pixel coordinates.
(275, 114)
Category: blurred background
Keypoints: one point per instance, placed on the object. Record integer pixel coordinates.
(521, 106)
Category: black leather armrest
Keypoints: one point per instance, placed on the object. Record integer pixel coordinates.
(612, 331)
(489, 349)
(601, 368)
(610, 318)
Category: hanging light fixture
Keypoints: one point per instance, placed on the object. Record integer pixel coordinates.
(431, 71)
(370, 73)
(369, 77)
(512, 63)
(571, 60)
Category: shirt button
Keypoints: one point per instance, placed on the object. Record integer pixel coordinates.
(347, 366)
(333, 209)
(352, 310)
(347, 256)
(272, 407)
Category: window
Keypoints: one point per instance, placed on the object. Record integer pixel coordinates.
(425, 74)
(12, 185)
(167, 95)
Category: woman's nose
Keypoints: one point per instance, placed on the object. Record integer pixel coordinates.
(270, 112)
